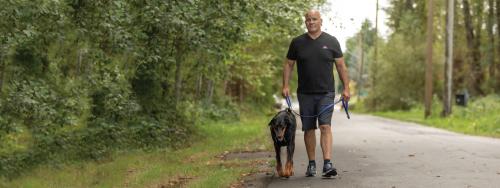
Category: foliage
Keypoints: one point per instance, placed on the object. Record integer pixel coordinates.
(395, 81)
(81, 79)
(478, 118)
(360, 55)
(201, 161)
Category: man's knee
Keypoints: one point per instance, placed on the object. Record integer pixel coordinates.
(325, 128)
(309, 132)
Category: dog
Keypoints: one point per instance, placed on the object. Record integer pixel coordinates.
(282, 128)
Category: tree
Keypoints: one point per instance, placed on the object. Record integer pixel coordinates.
(450, 12)
(473, 36)
(428, 66)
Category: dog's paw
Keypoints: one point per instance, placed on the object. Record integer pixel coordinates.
(279, 170)
(281, 174)
(286, 174)
(289, 169)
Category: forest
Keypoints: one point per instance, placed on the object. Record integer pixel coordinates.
(80, 79)
(394, 67)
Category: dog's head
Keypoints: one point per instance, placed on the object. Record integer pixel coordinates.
(280, 123)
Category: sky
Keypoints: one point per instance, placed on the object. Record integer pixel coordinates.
(343, 18)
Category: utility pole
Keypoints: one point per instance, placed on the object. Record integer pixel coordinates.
(448, 67)
(376, 33)
(376, 38)
(428, 66)
(375, 43)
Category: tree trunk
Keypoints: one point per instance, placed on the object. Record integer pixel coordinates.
(241, 90)
(80, 52)
(210, 91)
(178, 78)
(473, 46)
(199, 85)
(449, 59)
(375, 42)
(178, 69)
(497, 87)
(480, 71)
(2, 67)
(361, 59)
(428, 66)
(491, 45)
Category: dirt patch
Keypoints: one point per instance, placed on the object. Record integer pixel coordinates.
(129, 174)
(180, 181)
(195, 157)
(260, 177)
(262, 172)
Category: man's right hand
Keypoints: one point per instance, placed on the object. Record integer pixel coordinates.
(285, 92)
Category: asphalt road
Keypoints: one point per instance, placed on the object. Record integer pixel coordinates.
(376, 152)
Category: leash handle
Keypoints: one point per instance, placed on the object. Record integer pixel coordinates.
(289, 102)
(345, 104)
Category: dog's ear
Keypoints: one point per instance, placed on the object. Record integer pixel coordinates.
(288, 120)
(272, 122)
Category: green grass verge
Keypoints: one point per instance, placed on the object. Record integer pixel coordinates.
(480, 117)
(194, 166)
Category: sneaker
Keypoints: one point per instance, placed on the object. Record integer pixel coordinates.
(329, 170)
(311, 170)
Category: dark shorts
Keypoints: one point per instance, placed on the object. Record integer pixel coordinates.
(312, 104)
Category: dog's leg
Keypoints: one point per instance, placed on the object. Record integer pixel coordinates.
(289, 161)
(292, 150)
(287, 168)
(279, 169)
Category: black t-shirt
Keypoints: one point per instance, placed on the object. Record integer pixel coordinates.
(315, 58)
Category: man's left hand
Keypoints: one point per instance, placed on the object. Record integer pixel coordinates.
(346, 95)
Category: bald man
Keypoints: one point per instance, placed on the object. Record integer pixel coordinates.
(315, 52)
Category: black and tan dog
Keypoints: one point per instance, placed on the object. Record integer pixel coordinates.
(283, 133)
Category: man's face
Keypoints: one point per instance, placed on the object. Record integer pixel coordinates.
(313, 21)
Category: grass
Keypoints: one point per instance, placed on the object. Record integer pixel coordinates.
(194, 166)
(480, 117)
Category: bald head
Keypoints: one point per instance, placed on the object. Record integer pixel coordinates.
(313, 21)
(312, 12)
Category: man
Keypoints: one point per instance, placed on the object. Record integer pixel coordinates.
(315, 52)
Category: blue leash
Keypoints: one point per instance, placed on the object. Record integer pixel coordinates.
(345, 104)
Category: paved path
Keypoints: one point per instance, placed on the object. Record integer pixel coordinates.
(375, 152)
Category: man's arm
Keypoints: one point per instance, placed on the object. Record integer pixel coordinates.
(287, 71)
(342, 70)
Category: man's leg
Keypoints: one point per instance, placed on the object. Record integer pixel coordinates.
(326, 138)
(308, 108)
(326, 141)
(326, 147)
(310, 141)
